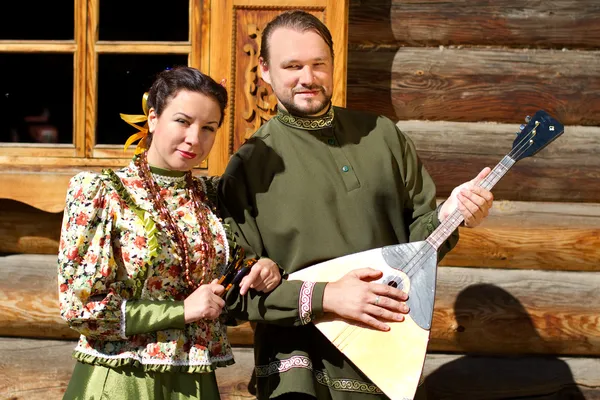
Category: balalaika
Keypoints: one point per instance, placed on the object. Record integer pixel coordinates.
(394, 360)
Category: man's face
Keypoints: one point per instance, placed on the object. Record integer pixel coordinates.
(300, 71)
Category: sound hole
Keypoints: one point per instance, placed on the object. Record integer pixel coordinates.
(394, 281)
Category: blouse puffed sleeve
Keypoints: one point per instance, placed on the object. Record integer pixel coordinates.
(92, 288)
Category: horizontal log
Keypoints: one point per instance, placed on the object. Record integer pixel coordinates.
(477, 310)
(33, 369)
(531, 235)
(42, 182)
(454, 376)
(477, 84)
(46, 191)
(567, 170)
(26, 229)
(483, 311)
(563, 23)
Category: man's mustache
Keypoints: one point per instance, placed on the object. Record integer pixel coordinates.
(308, 88)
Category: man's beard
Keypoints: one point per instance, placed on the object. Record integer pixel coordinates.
(313, 107)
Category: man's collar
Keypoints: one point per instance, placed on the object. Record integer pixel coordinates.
(309, 123)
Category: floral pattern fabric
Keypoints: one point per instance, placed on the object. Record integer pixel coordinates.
(103, 252)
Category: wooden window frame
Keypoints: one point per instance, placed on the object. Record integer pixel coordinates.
(85, 48)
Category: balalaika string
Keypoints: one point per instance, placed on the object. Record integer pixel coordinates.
(451, 223)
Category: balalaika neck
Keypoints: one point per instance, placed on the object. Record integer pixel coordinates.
(452, 222)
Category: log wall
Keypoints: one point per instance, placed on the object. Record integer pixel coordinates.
(517, 301)
(459, 77)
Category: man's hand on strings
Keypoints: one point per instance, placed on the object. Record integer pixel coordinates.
(473, 201)
(355, 296)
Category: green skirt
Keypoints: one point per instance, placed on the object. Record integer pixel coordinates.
(95, 382)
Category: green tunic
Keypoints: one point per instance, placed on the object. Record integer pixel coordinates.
(304, 190)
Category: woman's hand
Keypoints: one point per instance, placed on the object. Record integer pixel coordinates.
(204, 303)
(264, 277)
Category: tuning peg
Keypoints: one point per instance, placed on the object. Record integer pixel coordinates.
(522, 127)
(527, 119)
(518, 133)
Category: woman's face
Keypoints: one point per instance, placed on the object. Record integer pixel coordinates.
(185, 131)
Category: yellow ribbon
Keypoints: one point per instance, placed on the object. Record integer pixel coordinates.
(143, 130)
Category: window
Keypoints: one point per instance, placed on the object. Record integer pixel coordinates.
(69, 68)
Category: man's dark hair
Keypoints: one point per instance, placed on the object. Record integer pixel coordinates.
(298, 20)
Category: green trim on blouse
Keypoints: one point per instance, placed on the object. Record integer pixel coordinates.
(166, 172)
(149, 226)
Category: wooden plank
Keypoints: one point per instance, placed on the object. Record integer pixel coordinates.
(25, 229)
(561, 23)
(454, 152)
(539, 249)
(44, 191)
(484, 311)
(36, 46)
(91, 87)
(24, 183)
(79, 79)
(477, 84)
(523, 235)
(33, 369)
(452, 376)
(103, 47)
(477, 310)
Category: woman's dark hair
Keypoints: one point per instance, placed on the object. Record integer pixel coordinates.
(169, 82)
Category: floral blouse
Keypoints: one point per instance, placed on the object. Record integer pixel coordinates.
(127, 306)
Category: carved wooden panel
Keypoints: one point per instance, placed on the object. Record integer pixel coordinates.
(235, 35)
(252, 100)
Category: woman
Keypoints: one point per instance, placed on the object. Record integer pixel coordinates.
(140, 253)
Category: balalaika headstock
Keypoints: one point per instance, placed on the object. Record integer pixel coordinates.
(541, 129)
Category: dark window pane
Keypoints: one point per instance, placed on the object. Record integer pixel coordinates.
(36, 98)
(37, 20)
(151, 20)
(122, 80)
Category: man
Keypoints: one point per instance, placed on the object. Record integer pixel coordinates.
(318, 182)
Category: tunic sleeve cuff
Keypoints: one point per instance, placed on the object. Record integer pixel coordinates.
(311, 301)
(434, 220)
(144, 316)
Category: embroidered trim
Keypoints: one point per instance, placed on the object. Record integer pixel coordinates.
(279, 366)
(341, 384)
(204, 188)
(346, 385)
(152, 361)
(325, 121)
(165, 180)
(222, 233)
(305, 302)
(123, 322)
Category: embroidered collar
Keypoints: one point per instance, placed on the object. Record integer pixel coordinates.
(308, 123)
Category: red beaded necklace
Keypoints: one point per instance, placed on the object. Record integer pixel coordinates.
(207, 250)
